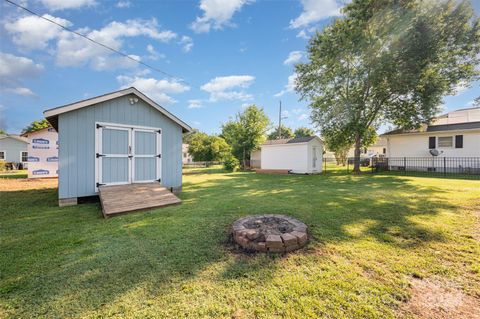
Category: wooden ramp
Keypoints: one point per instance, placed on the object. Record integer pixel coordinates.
(121, 199)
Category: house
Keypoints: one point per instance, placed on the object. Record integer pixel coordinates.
(13, 150)
(302, 155)
(118, 138)
(455, 134)
(256, 159)
(377, 149)
(186, 157)
(42, 153)
(450, 144)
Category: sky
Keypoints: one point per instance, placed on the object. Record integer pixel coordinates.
(220, 56)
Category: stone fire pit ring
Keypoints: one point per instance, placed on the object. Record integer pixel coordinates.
(269, 233)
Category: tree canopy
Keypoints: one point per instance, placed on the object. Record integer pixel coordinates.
(285, 132)
(246, 132)
(207, 148)
(303, 132)
(35, 126)
(387, 61)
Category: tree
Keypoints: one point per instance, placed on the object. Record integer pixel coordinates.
(303, 132)
(476, 102)
(188, 136)
(335, 142)
(246, 132)
(285, 132)
(207, 148)
(36, 125)
(2, 132)
(388, 61)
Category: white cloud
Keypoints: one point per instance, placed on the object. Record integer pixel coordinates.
(13, 70)
(303, 117)
(33, 32)
(229, 87)
(67, 4)
(289, 87)
(187, 43)
(154, 55)
(123, 4)
(293, 57)
(216, 14)
(194, 104)
(158, 90)
(314, 11)
(302, 34)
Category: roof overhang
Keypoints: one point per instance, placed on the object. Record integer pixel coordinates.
(52, 114)
(473, 130)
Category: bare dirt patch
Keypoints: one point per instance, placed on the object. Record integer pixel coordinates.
(435, 299)
(20, 184)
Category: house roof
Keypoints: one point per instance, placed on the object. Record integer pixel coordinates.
(438, 128)
(291, 140)
(52, 114)
(15, 137)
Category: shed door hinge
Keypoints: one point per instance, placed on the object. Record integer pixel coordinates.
(159, 131)
(99, 155)
(159, 180)
(100, 184)
(99, 126)
(159, 155)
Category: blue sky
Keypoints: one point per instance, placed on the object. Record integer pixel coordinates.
(224, 54)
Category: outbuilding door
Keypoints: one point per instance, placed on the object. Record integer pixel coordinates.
(127, 154)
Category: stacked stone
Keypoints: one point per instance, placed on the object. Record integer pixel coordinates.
(253, 240)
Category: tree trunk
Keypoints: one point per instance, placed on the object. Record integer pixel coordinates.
(356, 158)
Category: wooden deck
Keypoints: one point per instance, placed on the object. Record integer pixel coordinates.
(121, 199)
(272, 171)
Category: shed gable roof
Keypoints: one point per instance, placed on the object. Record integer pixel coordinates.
(52, 114)
(294, 140)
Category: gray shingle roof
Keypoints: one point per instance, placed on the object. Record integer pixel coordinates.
(290, 140)
(439, 128)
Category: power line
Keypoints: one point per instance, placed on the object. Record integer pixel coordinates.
(96, 42)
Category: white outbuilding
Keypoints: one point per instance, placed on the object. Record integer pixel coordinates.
(302, 155)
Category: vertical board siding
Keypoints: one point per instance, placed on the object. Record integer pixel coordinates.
(77, 143)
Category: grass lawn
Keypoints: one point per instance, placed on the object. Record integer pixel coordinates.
(14, 174)
(371, 237)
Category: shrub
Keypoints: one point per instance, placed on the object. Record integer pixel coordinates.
(2, 166)
(230, 163)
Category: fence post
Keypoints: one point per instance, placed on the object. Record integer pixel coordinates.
(348, 163)
(325, 165)
(444, 166)
(405, 165)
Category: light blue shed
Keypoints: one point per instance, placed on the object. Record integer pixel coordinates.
(118, 138)
(13, 149)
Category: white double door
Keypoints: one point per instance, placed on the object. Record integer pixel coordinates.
(127, 154)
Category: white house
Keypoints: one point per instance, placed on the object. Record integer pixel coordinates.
(455, 137)
(377, 149)
(186, 157)
(13, 150)
(301, 155)
(42, 153)
(455, 134)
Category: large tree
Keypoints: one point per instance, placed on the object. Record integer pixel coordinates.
(246, 132)
(285, 132)
(35, 126)
(388, 61)
(304, 132)
(203, 147)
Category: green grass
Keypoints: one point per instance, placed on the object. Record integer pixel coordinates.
(14, 174)
(370, 234)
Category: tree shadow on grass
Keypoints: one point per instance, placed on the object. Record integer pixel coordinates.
(66, 261)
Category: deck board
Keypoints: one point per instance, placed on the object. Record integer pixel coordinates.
(119, 199)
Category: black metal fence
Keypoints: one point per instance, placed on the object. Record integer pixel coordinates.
(454, 167)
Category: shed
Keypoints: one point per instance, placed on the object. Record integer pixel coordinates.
(42, 153)
(119, 138)
(13, 149)
(301, 155)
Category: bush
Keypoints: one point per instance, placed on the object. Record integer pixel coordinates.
(2, 166)
(230, 164)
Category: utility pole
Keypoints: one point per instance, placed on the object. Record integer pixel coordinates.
(280, 121)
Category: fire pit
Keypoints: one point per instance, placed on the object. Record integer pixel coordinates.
(272, 233)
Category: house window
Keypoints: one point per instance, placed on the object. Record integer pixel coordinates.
(431, 142)
(24, 157)
(2, 155)
(384, 150)
(458, 141)
(184, 155)
(445, 141)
